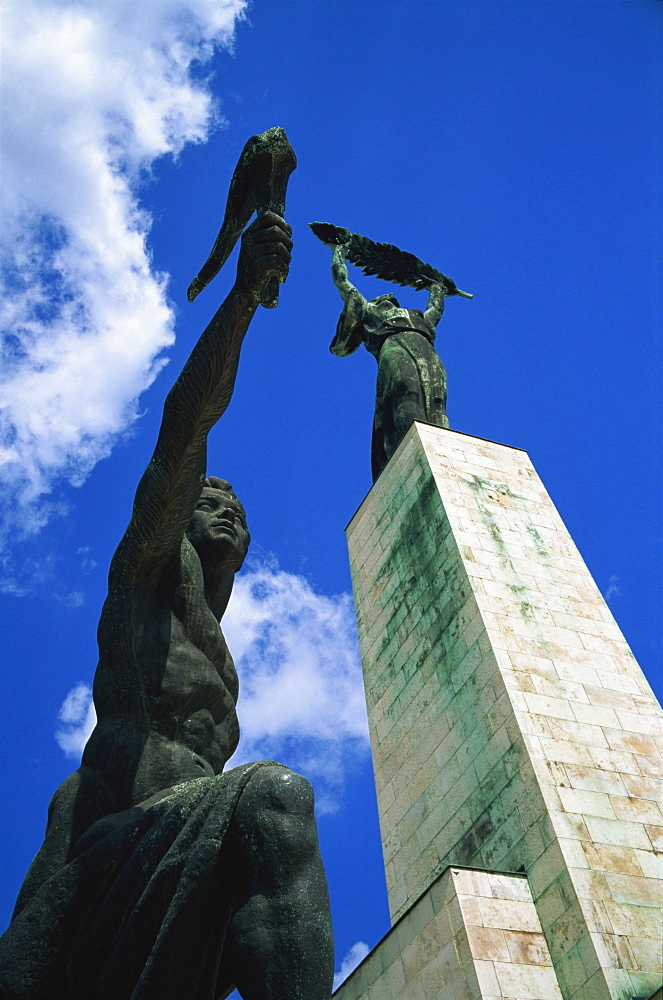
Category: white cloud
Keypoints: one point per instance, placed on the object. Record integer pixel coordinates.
(77, 719)
(301, 694)
(93, 92)
(612, 590)
(357, 954)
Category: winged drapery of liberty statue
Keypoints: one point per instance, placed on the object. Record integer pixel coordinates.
(412, 381)
(161, 876)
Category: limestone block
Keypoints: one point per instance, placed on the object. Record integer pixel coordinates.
(510, 725)
(473, 935)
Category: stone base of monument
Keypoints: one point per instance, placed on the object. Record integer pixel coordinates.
(511, 730)
(473, 934)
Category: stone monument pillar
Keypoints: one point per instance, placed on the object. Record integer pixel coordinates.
(516, 742)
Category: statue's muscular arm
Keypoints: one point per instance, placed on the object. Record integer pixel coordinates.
(435, 306)
(171, 484)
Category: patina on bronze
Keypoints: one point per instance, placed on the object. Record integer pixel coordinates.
(259, 185)
(161, 876)
(385, 260)
(412, 381)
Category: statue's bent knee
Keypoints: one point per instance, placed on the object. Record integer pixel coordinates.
(280, 790)
(289, 792)
(275, 816)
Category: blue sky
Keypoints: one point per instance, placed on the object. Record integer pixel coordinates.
(514, 145)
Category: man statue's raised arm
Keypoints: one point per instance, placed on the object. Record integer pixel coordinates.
(171, 484)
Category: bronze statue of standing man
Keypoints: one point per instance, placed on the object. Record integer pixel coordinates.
(163, 876)
(412, 381)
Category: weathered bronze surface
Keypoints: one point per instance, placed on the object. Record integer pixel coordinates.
(412, 381)
(385, 260)
(258, 185)
(161, 876)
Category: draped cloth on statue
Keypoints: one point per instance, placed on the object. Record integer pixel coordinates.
(144, 890)
(411, 385)
(412, 381)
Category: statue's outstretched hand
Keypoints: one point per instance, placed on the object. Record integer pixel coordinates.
(265, 252)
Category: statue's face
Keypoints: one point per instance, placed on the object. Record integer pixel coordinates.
(218, 531)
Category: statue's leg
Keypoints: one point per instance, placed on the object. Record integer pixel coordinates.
(438, 392)
(280, 944)
(378, 454)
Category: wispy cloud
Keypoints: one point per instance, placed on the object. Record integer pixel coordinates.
(356, 954)
(94, 92)
(612, 590)
(301, 694)
(70, 598)
(87, 562)
(28, 577)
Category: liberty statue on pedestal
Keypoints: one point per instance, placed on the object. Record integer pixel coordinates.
(412, 381)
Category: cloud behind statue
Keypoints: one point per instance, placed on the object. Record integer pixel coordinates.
(96, 98)
(301, 692)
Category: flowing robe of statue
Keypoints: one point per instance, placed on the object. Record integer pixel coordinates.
(161, 877)
(411, 382)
